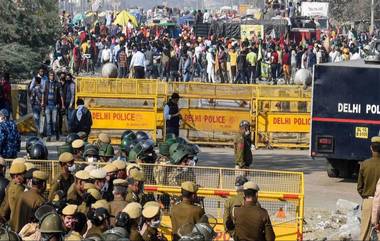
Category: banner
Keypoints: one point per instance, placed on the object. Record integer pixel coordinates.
(120, 119)
(286, 122)
(314, 9)
(249, 31)
(213, 120)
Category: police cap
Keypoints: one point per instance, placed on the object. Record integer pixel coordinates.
(120, 182)
(66, 157)
(132, 166)
(251, 186)
(29, 165)
(98, 173)
(19, 160)
(120, 165)
(103, 137)
(150, 211)
(133, 209)
(189, 186)
(110, 168)
(17, 168)
(40, 175)
(137, 175)
(151, 203)
(101, 204)
(77, 144)
(89, 168)
(82, 175)
(70, 210)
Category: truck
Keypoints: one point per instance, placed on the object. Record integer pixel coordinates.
(345, 114)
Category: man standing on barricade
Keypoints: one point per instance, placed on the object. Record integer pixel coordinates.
(242, 146)
(172, 115)
(369, 174)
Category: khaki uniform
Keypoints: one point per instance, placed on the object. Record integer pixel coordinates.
(252, 223)
(94, 231)
(117, 205)
(61, 183)
(242, 150)
(74, 196)
(82, 208)
(184, 213)
(132, 197)
(229, 204)
(369, 174)
(151, 234)
(135, 234)
(179, 175)
(25, 208)
(30, 232)
(12, 194)
(73, 236)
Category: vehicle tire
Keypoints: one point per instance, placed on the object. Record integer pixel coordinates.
(331, 171)
(344, 169)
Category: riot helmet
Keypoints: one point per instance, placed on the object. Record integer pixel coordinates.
(115, 234)
(71, 137)
(38, 152)
(30, 142)
(128, 134)
(51, 223)
(141, 135)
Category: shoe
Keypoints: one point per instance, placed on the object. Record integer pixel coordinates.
(48, 139)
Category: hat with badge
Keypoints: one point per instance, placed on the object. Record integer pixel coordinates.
(189, 186)
(133, 210)
(82, 175)
(78, 143)
(17, 168)
(152, 203)
(70, 210)
(120, 182)
(89, 168)
(132, 166)
(375, 139)
(66, 157)
(19, 160)
(95, 193)
(119, 164)
(98, 173)
(150, 211)
(40, 175)
(137, 175)
(103, 137)
(29, 165)
(251, 186)
(110, 168)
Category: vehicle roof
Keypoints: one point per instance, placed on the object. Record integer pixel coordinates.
(353, 63)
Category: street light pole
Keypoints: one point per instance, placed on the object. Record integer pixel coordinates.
(372, 28)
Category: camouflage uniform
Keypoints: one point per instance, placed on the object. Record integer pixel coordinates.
(160, 171)
(243, 153)
(178, 175)
(10, 139)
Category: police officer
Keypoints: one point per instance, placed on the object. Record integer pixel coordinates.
(98, 178)
(103, 139)
(234, 201)
(30, 200)
(100, 219)
(67, 146)
(133, 210)
(180, 155)
(152, 221)
(242, 146)
(172, 115)
(186, 212)
(119, 192)
(135, 187)
(3, 181)
(76, 190)
(128, 141)
(65, 179)
(251, 221)
(111, 171)
(10, 139)
(91, 153)
(78, 150)
(90, 197)
(13, 192)
(121, 169)
(51, 227)
(79, 227)
(106, 153)
(68, 213)
(369, 174)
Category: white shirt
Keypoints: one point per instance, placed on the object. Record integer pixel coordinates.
(319, 57)
(106, 55)
(206, 17)
(138, 60)
(355, 56)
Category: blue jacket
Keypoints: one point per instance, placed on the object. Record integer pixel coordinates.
(10, 139)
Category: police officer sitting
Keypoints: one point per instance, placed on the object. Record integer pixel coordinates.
(242, 146)
(251, 221)
(186, 212)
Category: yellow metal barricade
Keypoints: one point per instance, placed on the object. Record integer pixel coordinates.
(281, 193)
(280, 115)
